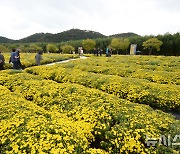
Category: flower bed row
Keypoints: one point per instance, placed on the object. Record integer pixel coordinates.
(156, 63)
(39, 115)
(27, 128)
(160, 96)
(116, 66)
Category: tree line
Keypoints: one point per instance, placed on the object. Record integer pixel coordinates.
(167, 44)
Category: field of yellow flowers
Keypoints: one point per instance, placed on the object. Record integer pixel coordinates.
(28, 59)
(165, 96)
(79, 108)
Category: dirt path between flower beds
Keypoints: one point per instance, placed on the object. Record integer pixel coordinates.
(175, 114)
(65, 61)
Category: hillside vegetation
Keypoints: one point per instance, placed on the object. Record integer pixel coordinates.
(72, 34)
(74, 37)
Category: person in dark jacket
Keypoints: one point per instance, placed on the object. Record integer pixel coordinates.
(19, 65)
(14, 58)
(38, 58)
(110, 52)
(95, 51)
(2, 61)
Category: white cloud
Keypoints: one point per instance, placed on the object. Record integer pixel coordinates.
(20, 18)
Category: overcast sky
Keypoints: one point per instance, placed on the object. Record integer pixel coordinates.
(21, 18)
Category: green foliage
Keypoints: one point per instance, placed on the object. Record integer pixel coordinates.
(5, 40)
(24, 48)
(170, 46)
(34, 48)
(77, 34)
(43, 46)
(125, 35)
(3, 48)
(75, 44)
(115, 44)
(102, 43)
(119, 44)
(51, 48)
(152, 43)
(72, 34)
(67, 48)
(88, 44)
(12, 46)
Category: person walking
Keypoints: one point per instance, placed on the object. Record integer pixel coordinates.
(38, 58)
(107, 52)
(81, 54)
(2, 61)
(95, 51)
(110, 52)
(19, 65)
(100, 52)
(13, 59)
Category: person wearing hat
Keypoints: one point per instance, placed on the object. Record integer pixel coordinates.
(2, 61)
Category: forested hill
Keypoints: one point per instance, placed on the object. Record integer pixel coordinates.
(124, 35)
(38, 37)
(5, 40)
(72, 34)
(77, 34)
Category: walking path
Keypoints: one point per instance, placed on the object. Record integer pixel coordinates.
(64, 61)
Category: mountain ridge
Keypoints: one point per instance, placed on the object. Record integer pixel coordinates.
(69, 35)
(5, 40)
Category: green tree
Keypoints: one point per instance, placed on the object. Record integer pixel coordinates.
(75, 44)
(51, 48)
(43, 46)
(119, 44)
(12, 46)
(152, 43)
(102, 43)
(67, 48)
(34, 48)
(88, 44)
(23, 48)
(3, 48)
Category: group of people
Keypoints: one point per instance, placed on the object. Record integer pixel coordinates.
(15, 59)
(99, 51)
